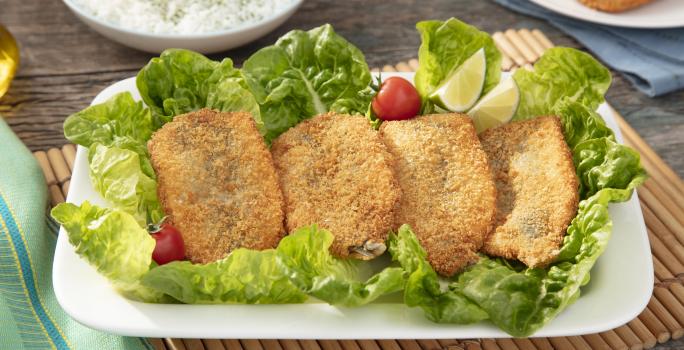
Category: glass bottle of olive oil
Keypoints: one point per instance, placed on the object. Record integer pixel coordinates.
(9, 59)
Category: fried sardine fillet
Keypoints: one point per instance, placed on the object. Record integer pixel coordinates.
(537, 189)
(217, 183)
(336, 172)
(448, 195)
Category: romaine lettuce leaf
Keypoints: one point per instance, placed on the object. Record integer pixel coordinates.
(579, 122)
(181, 81)
(305, 74)
(422, 287)
(245, 276)
(120, 122)
(117, 176)
(560, 72)
(445, 46)
(603, 163)
(114, 243)
(305, 257)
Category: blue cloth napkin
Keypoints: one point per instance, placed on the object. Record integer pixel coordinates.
(30, 316)
(652, 59)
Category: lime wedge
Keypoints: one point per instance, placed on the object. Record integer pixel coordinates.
(462, 89)
(496, 107)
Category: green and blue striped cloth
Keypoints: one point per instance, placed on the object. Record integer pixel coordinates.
(30, 317)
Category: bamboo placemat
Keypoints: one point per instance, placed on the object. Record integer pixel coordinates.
(662, 202)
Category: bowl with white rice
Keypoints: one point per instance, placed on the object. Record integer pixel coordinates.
(205, 26)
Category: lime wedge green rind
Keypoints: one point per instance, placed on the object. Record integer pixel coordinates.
(463, 88)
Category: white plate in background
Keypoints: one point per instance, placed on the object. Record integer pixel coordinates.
(205, 43)
(657, 14)
(620, 287)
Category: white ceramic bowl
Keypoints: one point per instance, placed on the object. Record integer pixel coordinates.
(200, 42)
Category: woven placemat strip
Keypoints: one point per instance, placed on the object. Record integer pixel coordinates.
(662, 202)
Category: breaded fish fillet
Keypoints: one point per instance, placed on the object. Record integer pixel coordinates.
(448, 195)
(217, 183)
(336, 172)
(537, 189)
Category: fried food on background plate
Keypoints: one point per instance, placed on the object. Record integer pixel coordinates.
(448, 195)
(614, 5)
(537, 189)
(336, 172)
(217, 183)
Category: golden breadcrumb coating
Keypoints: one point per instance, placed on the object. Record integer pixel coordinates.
(448, 195)
(336, 172)
(217, 183)
(537, 189)
(614, 5)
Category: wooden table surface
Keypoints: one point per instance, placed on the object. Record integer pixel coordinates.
(65, 64)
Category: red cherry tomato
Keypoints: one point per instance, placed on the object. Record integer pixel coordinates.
(169, 247)
(396, 100)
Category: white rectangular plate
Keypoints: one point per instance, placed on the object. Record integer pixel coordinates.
(620, 287)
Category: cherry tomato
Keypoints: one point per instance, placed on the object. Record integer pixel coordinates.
(396, 100)
(169, 247)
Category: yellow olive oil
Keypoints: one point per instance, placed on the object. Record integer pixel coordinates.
(9, 59)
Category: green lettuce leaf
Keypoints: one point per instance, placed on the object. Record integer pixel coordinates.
(579, 122)
(245, 276)
(114, 243)
(117, 176)
(423, 288)
(120, 122)
(603, 163)
(560, 72)
(305, 257)
(445, 45)
(305, 74)
(181, 81)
